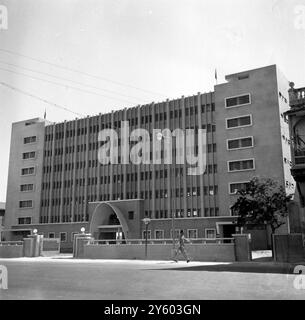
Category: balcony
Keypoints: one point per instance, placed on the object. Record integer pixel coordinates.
(297, 97)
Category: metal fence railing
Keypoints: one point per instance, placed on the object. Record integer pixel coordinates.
(161, 241)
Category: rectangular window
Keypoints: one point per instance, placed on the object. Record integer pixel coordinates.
(244, 77)
(192, 233)
(29, 140)
(241, 165)
(240, 122)
(241, 143)
(26, 187)
(28, 155)
(238, 101)
(51, 235)
(148, 234)
(26, 204)
(27, 171)
(130, 215)
(159, 234)
(237, 186)
(177, 233)
(63, 236)
(210, 233)
(25, 220)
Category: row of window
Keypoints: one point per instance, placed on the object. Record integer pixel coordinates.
(28, 171)
(179, 213)
(28, 155)
(161, 155)
(27, 187)
(65, 218)
(25, 220)
(238, 101)
(25, 204)
(63, 236)
(28, 140)
(239, 122)
(147, 175)
(159, 194)
(239, 143)
(189, 111)
(210, 233)
(96, 145)
(241, 165)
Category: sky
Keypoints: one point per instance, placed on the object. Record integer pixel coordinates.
(100, 55)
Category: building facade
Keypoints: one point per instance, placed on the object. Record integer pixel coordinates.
(296, 118)
(57, 185)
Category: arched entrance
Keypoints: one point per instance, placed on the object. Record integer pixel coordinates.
(108, 223)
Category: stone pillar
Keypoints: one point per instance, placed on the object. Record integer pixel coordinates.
(79, 241)
(243, 247)
(295, 225)
(28, 247)
(32, 245)
(289, 248)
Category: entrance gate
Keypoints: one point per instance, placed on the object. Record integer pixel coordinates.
(50, 247)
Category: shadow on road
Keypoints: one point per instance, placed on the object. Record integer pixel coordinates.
(245, 267)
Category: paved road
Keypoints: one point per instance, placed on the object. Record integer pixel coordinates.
(49, 278)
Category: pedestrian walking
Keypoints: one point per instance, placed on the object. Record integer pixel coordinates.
(181, 247)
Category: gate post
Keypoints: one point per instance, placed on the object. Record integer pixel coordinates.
(32, 245)
(242, 247)
(79, 242)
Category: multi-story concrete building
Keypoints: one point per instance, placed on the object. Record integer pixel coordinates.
(57, 185)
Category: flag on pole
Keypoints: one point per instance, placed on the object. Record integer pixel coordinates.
(216, 77)
(45, 114)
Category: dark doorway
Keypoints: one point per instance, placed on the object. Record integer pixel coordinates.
(228, 231)
(113, 220)
(108, 236)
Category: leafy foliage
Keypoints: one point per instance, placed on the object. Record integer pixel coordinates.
(263, 201)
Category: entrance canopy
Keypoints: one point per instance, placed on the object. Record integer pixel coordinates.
(107, 216)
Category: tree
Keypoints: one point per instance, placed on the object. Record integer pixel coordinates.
(263, 202)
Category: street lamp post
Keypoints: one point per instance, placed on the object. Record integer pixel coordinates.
(173, 230)
(146, 222)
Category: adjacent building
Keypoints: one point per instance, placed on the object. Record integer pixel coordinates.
(296, 118)
(57, 185)
(2, 213)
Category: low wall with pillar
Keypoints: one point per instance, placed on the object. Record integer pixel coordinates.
(208, 250)
(11, 250)
(289, 247)
(197, 252)
(29, 247)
